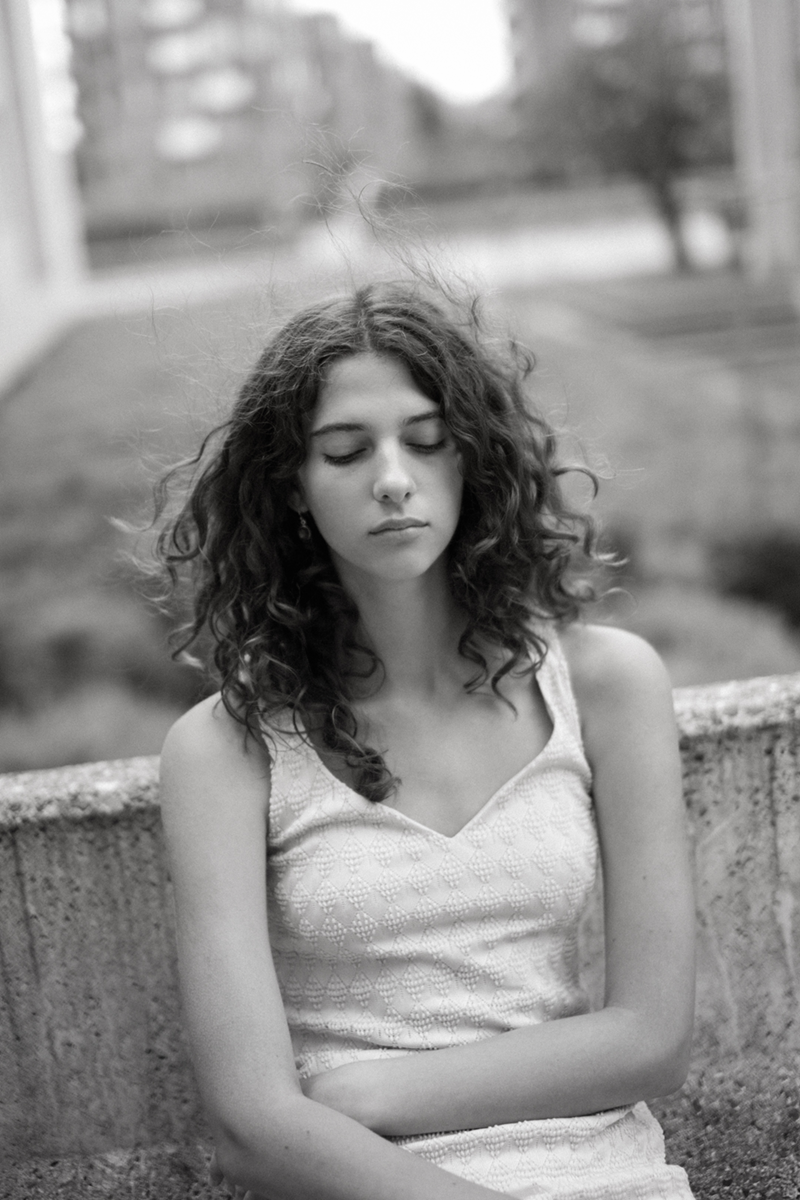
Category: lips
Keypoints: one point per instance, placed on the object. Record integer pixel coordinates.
(396, 523)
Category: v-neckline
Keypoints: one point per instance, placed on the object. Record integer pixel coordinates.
(404, 818)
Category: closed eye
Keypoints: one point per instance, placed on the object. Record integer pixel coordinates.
(341, 460)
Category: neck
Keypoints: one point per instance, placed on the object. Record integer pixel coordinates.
(414, 627)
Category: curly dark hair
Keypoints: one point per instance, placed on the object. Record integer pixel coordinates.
(285, 633)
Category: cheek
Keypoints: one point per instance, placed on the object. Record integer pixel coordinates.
(330, 502)
(314, 486)
(454, 485)
(332, 493)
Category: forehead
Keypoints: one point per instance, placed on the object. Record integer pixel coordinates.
(372, 382)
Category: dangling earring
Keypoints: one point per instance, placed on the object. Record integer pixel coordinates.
(304, 532)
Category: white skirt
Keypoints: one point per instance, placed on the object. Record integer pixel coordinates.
(613, 1155)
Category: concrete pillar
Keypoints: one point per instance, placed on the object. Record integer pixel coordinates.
(40, 237)
(764, 61)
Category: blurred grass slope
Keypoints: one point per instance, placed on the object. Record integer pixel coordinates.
(84, 668)
(683, 391)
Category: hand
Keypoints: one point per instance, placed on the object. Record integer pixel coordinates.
(219, 1180)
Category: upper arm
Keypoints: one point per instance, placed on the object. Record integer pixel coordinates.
(214, 795)
(625, 702)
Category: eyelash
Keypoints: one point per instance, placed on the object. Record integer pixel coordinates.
(343, 460)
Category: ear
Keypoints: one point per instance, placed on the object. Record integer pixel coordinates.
(297, 501)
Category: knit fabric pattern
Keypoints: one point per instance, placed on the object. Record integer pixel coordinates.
(389, 937)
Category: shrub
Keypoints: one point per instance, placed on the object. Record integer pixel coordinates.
(761, 566)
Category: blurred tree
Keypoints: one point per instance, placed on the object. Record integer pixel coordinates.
(639, 103)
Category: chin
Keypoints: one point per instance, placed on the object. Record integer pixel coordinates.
(394, 568)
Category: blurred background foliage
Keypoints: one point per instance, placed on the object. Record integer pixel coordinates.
(227, 157)
(641, 104)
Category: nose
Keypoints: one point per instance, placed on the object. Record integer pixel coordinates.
(394, 481)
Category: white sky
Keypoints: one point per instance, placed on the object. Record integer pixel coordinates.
(459, 47)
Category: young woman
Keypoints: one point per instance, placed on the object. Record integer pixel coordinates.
(384, 828)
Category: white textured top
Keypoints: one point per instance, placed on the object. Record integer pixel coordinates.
(389, 937)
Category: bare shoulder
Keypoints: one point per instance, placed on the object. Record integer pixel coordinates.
(630, 737)
(616, 675)
(207, 748)
(603, 659)
(206, 728)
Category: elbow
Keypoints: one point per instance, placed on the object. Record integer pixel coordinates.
(676, 1068)
(234, 1158)
(252, 1151)
(658, 1055)
(666, 1067)
(665, 1077)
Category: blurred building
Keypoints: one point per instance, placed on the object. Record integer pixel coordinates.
(198, 112)
(40, 243)
(181, 104)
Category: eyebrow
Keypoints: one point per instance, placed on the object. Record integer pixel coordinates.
(356, 427)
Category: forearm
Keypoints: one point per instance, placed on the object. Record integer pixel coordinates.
(302, 1150)
(567, 1067)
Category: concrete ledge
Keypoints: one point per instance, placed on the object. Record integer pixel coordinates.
(718, 709)
(96, 1078)
(103, 789)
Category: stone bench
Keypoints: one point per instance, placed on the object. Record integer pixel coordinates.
(96, 1091)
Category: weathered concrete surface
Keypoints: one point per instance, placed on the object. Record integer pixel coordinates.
(91, 1051)
(92, 1059)
(736, 1124)
(741, 747)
